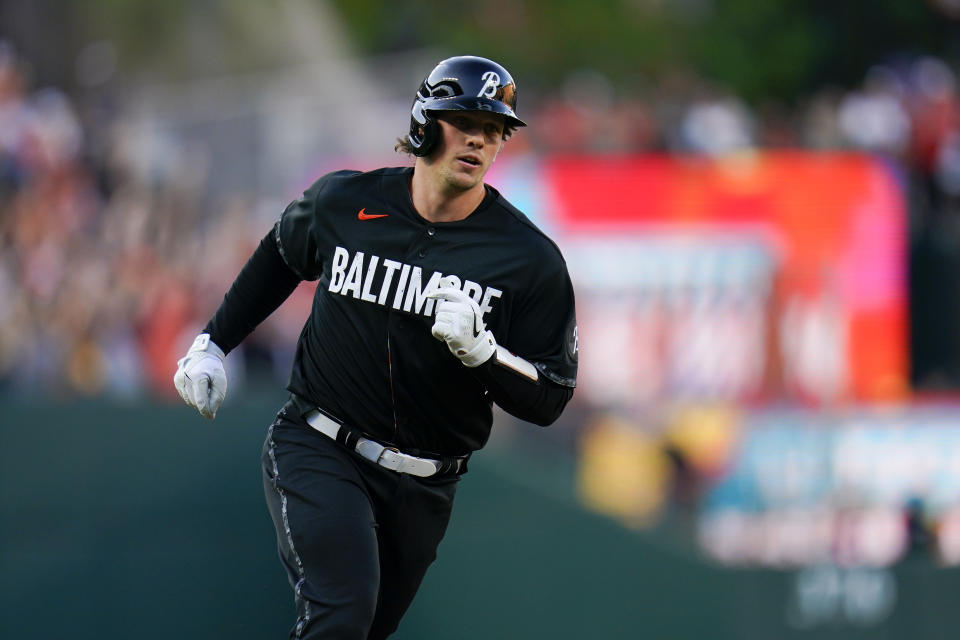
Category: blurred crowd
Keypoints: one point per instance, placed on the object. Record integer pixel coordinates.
(106, 252)
(906, 111)
(113, 254)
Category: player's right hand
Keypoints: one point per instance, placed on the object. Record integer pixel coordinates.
(458, 321)
(200, 378)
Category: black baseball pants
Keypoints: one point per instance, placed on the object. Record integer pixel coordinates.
(356, 539)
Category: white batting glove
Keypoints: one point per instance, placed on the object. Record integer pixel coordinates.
(200, 378)
(458, 322)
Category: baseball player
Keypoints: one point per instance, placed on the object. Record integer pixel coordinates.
(436, 298)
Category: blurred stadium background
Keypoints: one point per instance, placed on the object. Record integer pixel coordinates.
(760, 207)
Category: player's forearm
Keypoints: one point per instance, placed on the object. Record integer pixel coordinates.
(261, 286)
(540, 402)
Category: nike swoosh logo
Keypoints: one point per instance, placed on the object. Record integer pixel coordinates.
(370, 216)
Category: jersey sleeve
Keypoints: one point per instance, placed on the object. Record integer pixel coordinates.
(295, 234)
(543, 332)
(262, 285)
(543, 329)
(540, 402)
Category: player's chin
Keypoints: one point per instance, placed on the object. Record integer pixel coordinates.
(472, 173)
(464, 181)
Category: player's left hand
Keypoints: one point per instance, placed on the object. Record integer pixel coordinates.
(200, 378)
(458, 321)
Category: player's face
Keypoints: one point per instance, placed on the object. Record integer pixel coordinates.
(469, 143)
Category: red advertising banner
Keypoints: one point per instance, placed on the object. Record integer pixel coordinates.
(773, 276)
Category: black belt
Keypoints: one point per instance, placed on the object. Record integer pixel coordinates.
(386, 456)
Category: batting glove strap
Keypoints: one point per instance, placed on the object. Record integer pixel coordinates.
(203, 344)
(482, 350)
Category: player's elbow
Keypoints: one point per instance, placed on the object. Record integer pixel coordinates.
(545, 412)
(544, 421)
(547, 419)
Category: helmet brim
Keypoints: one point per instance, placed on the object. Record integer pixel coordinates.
(468, 103)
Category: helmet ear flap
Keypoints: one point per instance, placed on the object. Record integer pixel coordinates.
(424, 130)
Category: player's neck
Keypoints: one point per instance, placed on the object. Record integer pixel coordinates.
(438, 204)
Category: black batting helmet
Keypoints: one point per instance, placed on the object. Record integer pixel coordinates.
(462, 83)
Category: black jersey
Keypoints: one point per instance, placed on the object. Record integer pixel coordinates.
(366, 355)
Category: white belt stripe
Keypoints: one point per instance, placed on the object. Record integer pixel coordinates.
(387, 457)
